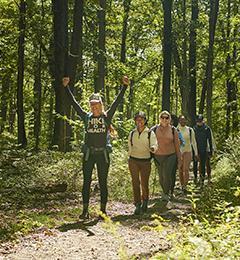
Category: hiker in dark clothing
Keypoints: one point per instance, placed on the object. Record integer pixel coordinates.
(95, 148)
(203, 138)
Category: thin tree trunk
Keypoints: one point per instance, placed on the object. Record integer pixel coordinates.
(192, 62)
(75, 59)
(167, 53)
(4, 101)
(130, 100)
(60, 23)
(38, 99)
(50, 117)
(231, 85)
(126, 6)
(208, 79)
(22, 140)
(101, 68)
(185, 91)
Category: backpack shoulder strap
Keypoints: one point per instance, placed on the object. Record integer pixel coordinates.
(173, 130)
(131, 137)
(154, 129)
(190, 134)
(87, 119)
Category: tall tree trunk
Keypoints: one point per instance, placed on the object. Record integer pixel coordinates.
(231, 85)
(50, 117)
(101, 67)
(75, 61)
(4, 101)
(192, 62)
(20, 77)
(185, 90)
(208, 79)
(60, 24)
(38, 98)
(130, 100)
(167, 53)
(235, 112)
(126, 7)
(76, 49)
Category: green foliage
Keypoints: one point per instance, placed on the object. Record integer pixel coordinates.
(224, 193)
(212, 230)
(202, 240)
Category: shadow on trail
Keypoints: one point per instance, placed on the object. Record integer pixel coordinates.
(83, 225)
(171, 211)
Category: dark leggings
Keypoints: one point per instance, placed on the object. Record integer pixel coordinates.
(174, 173)
(102, 171)
(202, 166)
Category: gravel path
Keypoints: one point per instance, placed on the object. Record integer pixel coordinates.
(121, 237)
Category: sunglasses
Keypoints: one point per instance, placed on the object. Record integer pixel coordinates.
(165, 117)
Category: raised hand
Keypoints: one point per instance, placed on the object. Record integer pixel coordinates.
(65, 81)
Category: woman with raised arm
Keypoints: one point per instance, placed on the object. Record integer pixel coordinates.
(95, 149)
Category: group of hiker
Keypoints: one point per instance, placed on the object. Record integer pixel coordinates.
(171, 143)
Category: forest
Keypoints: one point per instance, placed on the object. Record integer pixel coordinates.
(179, 55)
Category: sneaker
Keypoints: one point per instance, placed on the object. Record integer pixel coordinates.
(195, 181)
(137, 210)
(172, 197)
(84, 215)
(165, 197)
(184, 190)
(144, 206)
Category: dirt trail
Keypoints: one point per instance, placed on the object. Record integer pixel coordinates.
(126, 235)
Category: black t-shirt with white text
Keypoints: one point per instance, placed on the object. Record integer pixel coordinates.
(96, 130)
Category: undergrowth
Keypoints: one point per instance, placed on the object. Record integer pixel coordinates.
(212, 231)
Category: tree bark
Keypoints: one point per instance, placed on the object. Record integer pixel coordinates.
(192, 62)
(231, 85)
(101, 67)
(75, 62)
(208, 79)
(167, 53)
(22, 140)
(38, 99)
(4, 101)
(60, 24)
(126, 7)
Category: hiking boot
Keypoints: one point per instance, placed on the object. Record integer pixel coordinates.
(165, 197)
(103, 208)
(184, 190)
(137, 210)
(171, 197)
(85, 214)
(144, 206)
(201, 184)
(195, 181)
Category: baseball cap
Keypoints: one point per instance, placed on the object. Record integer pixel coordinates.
(95, 98)
(199, 118)
(140, 114)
